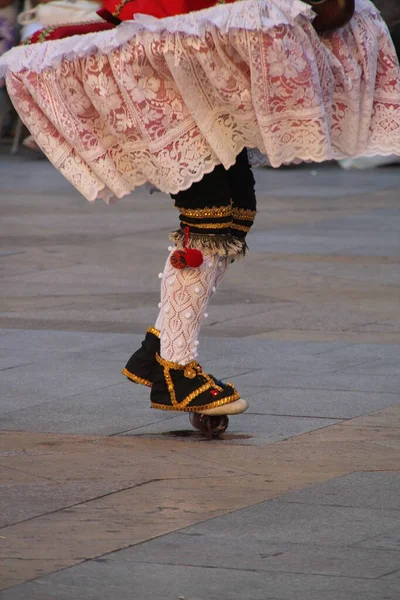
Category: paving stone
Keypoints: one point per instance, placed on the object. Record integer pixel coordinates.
(246, 429)
(253, 553)
(60, 377)
(10, 570)
(317, 402)
(110, 580)
(388, 274)
(388, 541)
(368, 490)
(59, 341)
(114, 521)
(388, 417)
(393, 576)
(125, 460)
(106, 411)
(376, 368)
(280, 522)
(23, 501)
(293, 360)
(333, 236)
(367, 353)
(259, 380)
(305, 181)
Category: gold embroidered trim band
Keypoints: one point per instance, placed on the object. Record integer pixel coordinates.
(204, 213)
(119, 7)
(244, 214)
(241, 227)
(226, 225)
(176, 366)
(136, 379)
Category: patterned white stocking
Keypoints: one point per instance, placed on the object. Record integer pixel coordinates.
(184, 297)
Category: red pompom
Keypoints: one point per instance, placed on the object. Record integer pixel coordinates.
(193, 257)
(178, 259)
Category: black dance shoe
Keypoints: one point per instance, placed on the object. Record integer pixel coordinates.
(187, 388)
(142, 364)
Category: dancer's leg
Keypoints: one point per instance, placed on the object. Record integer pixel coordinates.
(207, 209)
(180, 383)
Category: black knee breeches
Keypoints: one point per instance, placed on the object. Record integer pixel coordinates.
(221, 207)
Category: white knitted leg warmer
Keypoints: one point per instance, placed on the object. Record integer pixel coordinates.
(184, 297)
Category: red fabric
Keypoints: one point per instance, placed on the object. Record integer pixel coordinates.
(62, 31)
(156, 8)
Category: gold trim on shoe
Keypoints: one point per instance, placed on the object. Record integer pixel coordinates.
(154, 331)
(199, 409)
(190, 371)
(135, 378)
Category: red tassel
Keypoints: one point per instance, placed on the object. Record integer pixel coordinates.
(188, 257)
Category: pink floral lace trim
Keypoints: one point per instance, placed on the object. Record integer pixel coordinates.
(166, 108)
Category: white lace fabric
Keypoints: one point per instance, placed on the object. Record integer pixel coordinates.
(185, 295)
(165, 101)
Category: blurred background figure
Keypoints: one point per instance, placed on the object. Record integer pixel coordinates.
(47, 13)
(390, 10)
(18, 20)
(8, 37)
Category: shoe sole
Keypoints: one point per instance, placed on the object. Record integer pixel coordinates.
(233, 408)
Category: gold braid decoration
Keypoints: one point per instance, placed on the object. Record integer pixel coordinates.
(190, 370)
(119, 7)
(42, 37)
(241, 227)
(243, 214)
(209, 225)
(154, 331)
(199, 409)
(204, 213)
(135, 378)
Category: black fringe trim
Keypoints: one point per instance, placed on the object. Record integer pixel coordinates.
(222, 245)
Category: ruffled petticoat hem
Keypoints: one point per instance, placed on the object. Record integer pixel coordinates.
(165, 101)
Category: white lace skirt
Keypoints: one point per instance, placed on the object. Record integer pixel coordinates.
(164, 101)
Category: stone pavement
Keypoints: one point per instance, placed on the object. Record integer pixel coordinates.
(102, 498)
